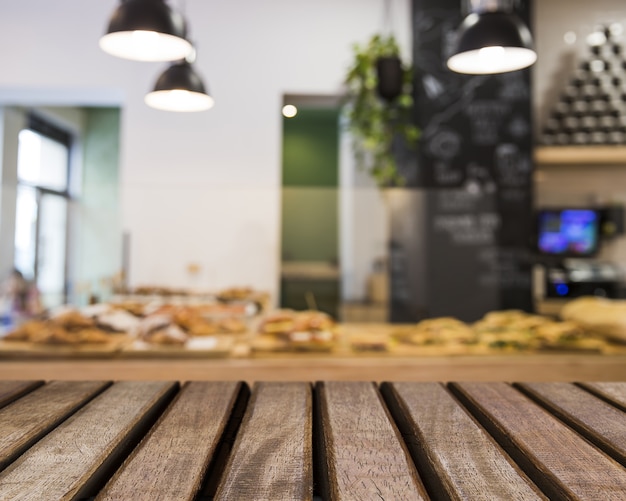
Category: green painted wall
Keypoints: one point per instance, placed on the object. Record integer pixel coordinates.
(310, 148)
(309, 226)
(99, 228)
(101, 156)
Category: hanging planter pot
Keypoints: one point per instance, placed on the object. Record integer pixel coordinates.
(390, 77)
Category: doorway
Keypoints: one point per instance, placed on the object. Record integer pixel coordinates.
(310, 272)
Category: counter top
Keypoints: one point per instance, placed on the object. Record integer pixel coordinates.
(540, 367)
(233, 358)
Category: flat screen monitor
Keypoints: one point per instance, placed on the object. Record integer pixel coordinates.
(568, 232)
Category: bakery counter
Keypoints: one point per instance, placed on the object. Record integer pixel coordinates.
(301, 367)
(296, 346)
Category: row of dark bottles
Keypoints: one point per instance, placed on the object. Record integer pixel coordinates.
(596, 108)
(587, 123)
(584, 138)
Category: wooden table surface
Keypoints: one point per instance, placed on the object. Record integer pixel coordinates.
(226, 440)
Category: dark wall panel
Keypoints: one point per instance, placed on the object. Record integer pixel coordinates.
(474, 165)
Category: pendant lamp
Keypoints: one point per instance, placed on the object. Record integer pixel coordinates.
(492, 39)
(179, 88)
(146, 30)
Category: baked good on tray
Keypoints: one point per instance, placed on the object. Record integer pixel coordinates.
(604, 317)
(290, 330)
(502, 331)
(68, 328)
(438, 330)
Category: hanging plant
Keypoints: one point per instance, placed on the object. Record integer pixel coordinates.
(380, 103)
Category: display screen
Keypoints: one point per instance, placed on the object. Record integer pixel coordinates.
(568, 232)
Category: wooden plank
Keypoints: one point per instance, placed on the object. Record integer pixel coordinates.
(598, 421)
(556, 458)
(365, 457)
(457, 458)
(614, 392)
(75, 459)
(172, 460)
(12, 390)
(28, 419)
(272, 456)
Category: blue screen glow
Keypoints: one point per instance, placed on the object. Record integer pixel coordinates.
(571, 232)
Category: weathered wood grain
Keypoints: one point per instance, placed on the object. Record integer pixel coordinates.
(272, 456)
(69, 462)
(170, 463)
(614, 392)
(365, 457)
(556, 458)
(12, 390)
(457, 458)
(26, 420)
(600, 422)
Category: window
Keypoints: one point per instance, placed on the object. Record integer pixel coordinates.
(41, 225)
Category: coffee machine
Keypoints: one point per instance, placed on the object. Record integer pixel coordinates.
(568, 242)
(576, 277)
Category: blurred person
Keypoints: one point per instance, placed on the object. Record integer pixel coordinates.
(19, 298)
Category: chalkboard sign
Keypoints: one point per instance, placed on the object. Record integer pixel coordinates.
(476, 129)
(474, 166)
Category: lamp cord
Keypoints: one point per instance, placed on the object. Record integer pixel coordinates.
(182, 9)
(387, 15)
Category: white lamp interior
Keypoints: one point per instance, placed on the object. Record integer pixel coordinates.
(145, 46)
(489, 60)
(178, 100)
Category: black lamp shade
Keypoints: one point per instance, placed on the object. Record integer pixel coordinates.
(146, 30)
(179, 88)
(180, 76)
(492, 42)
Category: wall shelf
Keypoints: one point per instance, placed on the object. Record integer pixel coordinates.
(578, 155)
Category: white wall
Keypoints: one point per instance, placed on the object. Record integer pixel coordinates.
(363, 221)
(201, 188)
